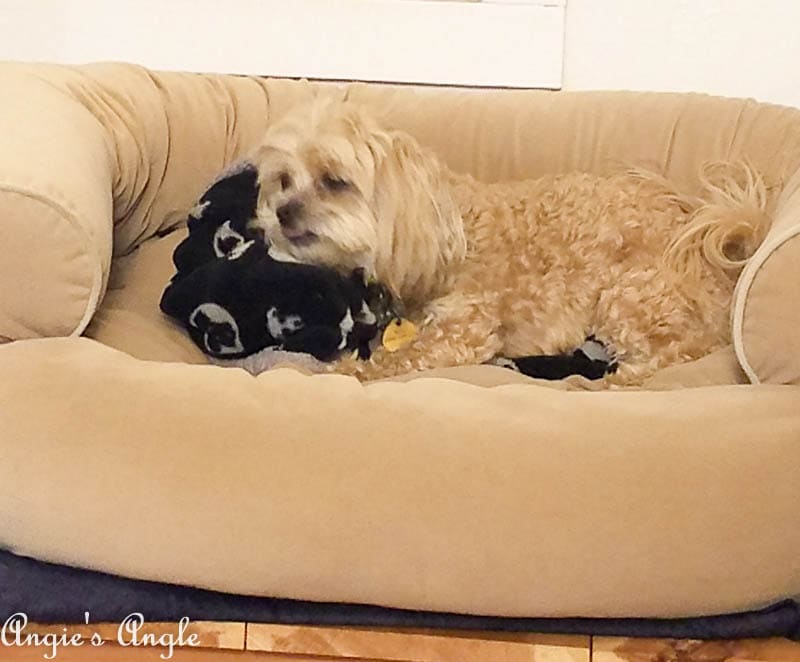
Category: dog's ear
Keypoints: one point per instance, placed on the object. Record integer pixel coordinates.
(420, 231)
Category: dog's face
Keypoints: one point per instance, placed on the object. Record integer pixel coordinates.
(338, 190)
(317, 183)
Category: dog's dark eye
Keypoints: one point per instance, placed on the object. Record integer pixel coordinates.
(334, 183)
(285, 180)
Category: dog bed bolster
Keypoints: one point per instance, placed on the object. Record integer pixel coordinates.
(766, 311)
(430, 494)
(55, 206)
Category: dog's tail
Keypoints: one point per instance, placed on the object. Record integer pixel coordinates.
(727, 221)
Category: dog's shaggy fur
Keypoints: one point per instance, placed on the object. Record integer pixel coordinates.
(512, 268)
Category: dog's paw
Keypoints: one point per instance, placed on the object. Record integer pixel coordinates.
(503, 362)
(558, 366)
(594, 368)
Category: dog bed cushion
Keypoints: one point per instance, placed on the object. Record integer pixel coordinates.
(125, 452)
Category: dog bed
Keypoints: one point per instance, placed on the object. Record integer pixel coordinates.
(473, 490)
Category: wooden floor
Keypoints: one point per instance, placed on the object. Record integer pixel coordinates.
(249, 642)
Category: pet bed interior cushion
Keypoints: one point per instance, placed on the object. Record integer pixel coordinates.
(129, 319)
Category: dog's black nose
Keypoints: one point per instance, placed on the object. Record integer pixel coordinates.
(288, 213)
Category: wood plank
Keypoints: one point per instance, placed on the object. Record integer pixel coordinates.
(208, 634)
(415, 645)
(619, 649)
(114, 653)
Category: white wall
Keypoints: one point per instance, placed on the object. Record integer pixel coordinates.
(731, 47)
(747, 48)
(490, 43)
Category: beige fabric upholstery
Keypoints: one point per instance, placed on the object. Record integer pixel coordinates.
(130, 318)
(513, 500)
(470, 489)
(766, 313)
(55, 207)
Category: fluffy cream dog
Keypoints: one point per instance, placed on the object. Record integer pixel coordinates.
(515, 268)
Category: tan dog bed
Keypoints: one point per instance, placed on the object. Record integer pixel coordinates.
(471, 490)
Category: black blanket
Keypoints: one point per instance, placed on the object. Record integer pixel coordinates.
(57, 594)
(235, 300)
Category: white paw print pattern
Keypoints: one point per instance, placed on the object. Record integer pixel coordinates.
(220, 330)
(229, 243)
(278, 325)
